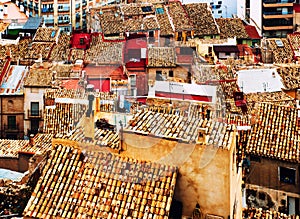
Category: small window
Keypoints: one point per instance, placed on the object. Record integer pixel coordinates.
(12, 122)
(159, 76)
(227, 53)
(10, 104)
(81, 41)
(34, 108)
(171, 73)
(220, 12)
(287, 175)
(219, 2)
(133, 80)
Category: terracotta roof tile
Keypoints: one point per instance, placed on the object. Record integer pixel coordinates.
(79, 184)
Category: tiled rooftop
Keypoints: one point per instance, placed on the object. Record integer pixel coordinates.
(45, 34)
(290, 75)
(11, 148)
(77, 184)
(179, 17)
(103, 138)
(280, 54)
(137, 9)
(202, 19)
(161, 57)
(166, 28)
(39, 78)
(104, 52)
(232, 27)
(60, 51)
(62, 117)
(65, 93)
(38, 49)
(277, 97)
(180, 128)
(275, 134)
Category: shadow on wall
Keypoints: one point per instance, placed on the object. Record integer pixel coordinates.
(259, 199)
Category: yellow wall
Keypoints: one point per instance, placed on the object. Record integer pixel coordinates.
(206, 175)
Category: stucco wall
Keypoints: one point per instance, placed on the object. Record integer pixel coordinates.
(204, 173)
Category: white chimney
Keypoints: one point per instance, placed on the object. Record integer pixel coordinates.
(22, 8)
(1, 13)
(17, 3)
(5, 9)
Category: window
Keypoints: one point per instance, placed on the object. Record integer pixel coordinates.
(219, 2)
(287, 175)
(10, 104)
(132, 80)
(11, 122)
(81, 41)
(159, 76)
(34, 126)
(220, 12)
(34, 109)
(171, 73)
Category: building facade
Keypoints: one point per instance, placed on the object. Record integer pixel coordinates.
(273, 18)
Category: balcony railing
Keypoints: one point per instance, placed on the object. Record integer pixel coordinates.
(35, 113)
(49, 21)
(277, 13)
(63, 21)
(63, 9)
(278, 1)
(11, 128)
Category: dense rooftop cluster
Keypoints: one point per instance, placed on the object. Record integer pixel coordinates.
(231, 27)
(202, 19)
(39, 144)
(97, 184)
(275, 133)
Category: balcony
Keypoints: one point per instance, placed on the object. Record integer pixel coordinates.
(63, 21)
(30, 6)
(278, 3)
(84, 3)
(44, 10)
(36, 8)
(49, 21)
(11, 128)
(67, 9)
(278, 27)
(271, 15)
(34, 114)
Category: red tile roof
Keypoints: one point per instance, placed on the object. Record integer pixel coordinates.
(105, 71)
(70, 84)
(252, 32)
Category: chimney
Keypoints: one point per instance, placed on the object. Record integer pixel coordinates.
(31, 139)
(203, 135)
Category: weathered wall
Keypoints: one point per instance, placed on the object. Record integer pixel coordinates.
(204, 173)
(10, 163)
(265, 173)
(13, 106)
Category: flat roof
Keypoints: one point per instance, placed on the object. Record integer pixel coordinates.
(33, 23)
(259, 80)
